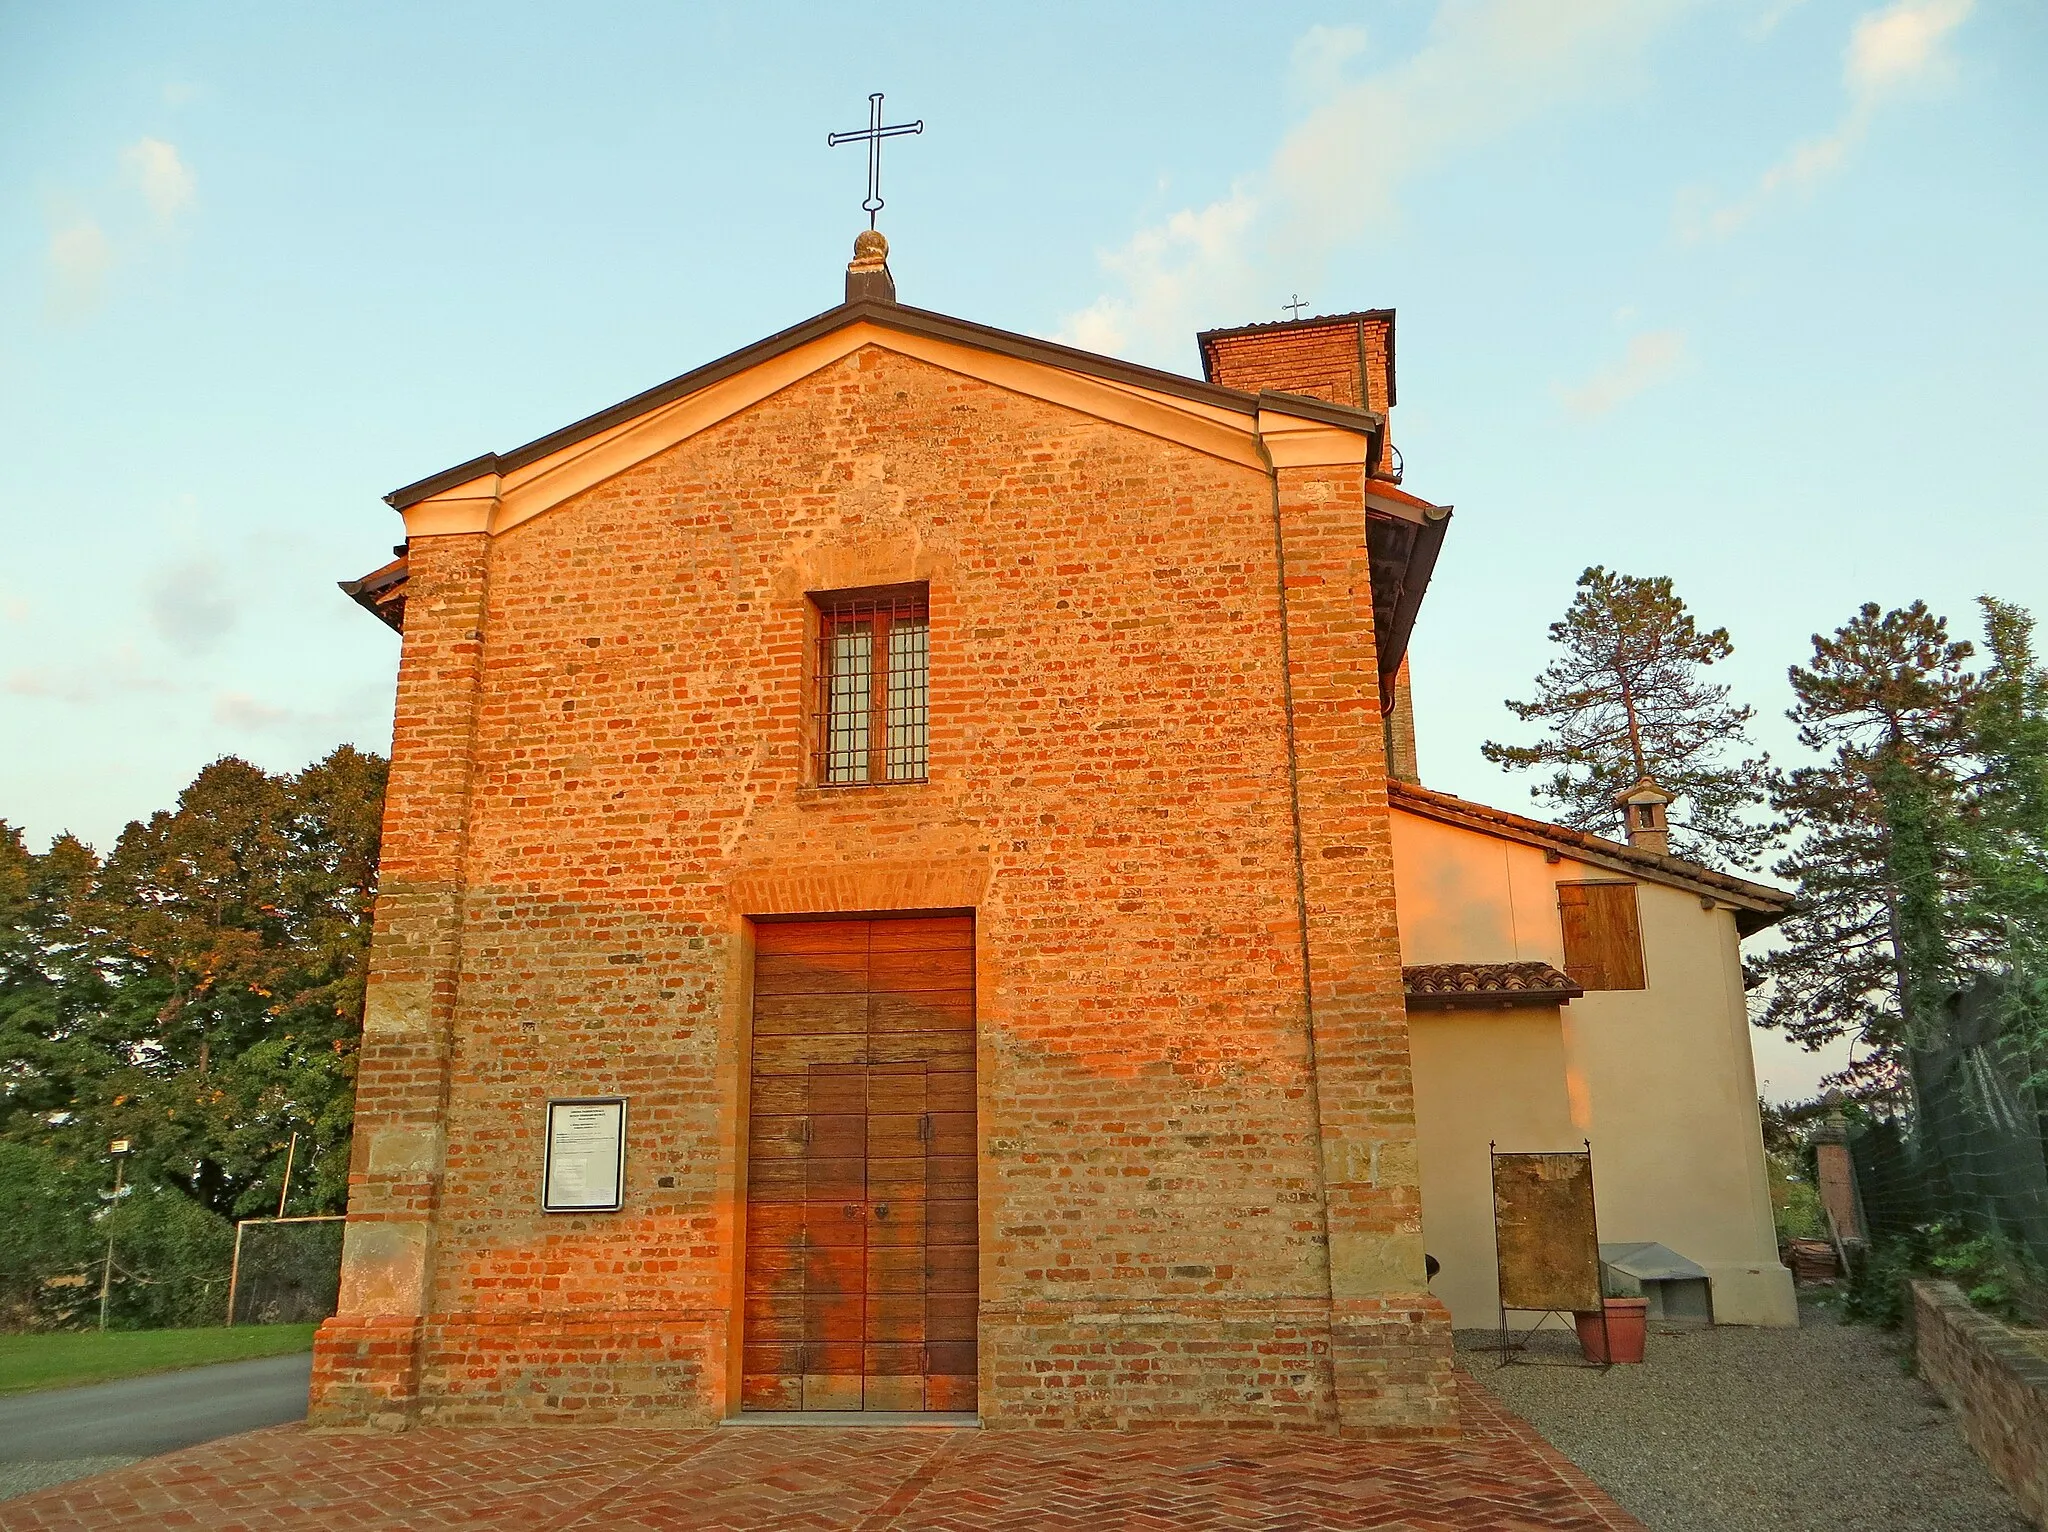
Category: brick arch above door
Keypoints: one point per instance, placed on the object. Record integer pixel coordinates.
(871, 886)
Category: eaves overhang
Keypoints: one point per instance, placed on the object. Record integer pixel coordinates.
(381, 592)
(1403, 536)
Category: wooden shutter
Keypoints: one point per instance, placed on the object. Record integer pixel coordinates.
(1603, 938)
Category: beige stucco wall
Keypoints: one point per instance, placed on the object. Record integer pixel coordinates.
(1659, 1079)
(1517, 1101)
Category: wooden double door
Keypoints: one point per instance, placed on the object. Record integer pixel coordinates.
(862, 1256)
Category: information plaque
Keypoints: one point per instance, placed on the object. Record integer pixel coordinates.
(586, 1156)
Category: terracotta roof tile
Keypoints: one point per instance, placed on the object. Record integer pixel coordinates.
(1441, 986)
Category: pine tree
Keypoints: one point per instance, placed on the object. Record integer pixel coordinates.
(1881, 929)
(1627, 698)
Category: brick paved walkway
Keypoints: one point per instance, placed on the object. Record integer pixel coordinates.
(1501, 1476)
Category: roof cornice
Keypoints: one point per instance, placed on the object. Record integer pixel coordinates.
(912, 321)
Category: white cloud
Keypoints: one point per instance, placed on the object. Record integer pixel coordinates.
(77, 258)
(239, 710)
(1486, 67)
(1772, 18)
(1651, 357)
(188, 607)
(113, 673)
(80, 254)
(154, 168)
(1891, 51)
(250, 714)
(1319, 57)
(1901, 45)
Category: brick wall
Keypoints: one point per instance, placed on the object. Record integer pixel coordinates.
(1997, 1386)
(570, 898)
(1345, 362)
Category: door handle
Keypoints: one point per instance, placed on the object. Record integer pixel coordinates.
(881, 1210)
(849, 1211)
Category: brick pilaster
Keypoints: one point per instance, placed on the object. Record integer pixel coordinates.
(1390, 1339)
(367, 1357)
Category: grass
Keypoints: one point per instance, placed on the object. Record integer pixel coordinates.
(68, 1358)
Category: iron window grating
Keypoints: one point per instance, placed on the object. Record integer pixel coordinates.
(871, 692)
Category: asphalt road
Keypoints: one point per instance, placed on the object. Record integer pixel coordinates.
(138, 1417)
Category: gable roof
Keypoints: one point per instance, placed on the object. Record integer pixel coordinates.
(1757, 905)
(909, 321)
(497, 491)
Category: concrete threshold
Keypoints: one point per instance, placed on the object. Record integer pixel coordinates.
(928, 1420)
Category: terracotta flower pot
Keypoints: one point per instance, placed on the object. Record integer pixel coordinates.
(1627, 1319)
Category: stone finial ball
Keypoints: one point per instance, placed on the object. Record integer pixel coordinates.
(868, 245)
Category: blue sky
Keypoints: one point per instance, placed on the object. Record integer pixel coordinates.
(1748, 293)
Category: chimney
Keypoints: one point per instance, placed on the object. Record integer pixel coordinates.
(867, 274)
(1344, 358)
(1642, 810)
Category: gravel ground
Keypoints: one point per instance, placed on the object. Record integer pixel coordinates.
(21, 1478)
(1729, 1430)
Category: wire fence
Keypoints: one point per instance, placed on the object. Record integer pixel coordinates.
(285, 1270)
(1967, 1157)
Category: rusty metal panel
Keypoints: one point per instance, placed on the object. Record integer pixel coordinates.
(1546, 1244)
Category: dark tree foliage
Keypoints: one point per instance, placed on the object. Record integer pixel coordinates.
(1625, 698)
(1882, 927)
(200, 992)
(2005, 834)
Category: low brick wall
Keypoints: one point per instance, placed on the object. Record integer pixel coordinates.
(1995, 1384)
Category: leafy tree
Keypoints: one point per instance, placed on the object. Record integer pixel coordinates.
(55, 1036)
(199, 993)
(1626, 698)
(1881, 927)
(171, 1260)
(46, 1205)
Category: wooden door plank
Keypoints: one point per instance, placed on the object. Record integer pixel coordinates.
(774, 1318)
(880, 1391)
(896, 972)
(930, 1010)
(897, 1270)
(810, 1015)
(811, 973)
(950, 1269)
(813, 936)
(795, 1055)
(922, 933)
(939, 1050)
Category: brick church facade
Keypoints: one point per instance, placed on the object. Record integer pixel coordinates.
(937, 781)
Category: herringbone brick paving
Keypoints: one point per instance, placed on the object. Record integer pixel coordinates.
(1500, 1476)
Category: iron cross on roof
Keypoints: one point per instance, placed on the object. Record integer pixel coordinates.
(1296, 306)
(873, 134)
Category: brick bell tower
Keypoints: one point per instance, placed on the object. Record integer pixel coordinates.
(1389, 1337)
